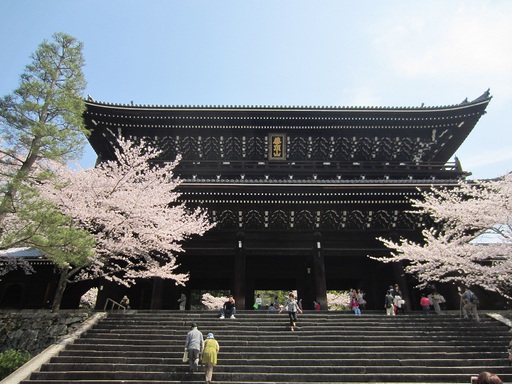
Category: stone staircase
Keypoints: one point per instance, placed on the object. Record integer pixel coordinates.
(258, 347)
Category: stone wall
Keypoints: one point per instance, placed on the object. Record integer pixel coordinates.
(33, 331)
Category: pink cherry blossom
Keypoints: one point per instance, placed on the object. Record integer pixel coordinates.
(471, 242)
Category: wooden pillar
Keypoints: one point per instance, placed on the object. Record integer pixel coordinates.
(157, 293)
(306, 285)
(239, 271)
(319, 272)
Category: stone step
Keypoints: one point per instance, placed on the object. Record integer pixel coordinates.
(276, 367)
(272, 377)
(323, 360)
(287, 336)
(146, 347)
(299, 348)
(322, 355)
(305, 328)
(199, 379)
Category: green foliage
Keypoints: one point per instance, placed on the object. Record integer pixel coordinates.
(41, 226)
(269, 297)
(42, 118)
(42, 121)
(11, 360)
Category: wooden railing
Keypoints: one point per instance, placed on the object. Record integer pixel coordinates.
(114, 305)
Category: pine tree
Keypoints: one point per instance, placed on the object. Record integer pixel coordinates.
(41, 122)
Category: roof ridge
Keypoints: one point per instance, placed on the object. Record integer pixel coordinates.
(485, 97)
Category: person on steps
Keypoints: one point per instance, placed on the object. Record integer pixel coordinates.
(425, 304)
(211, 349)
(470, 304)
(182, 302)
(389, 303)
(487, 378)
(228, 309)
(194, 345)
(292, 307)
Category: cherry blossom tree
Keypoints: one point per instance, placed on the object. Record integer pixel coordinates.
(338, 300)
(213, 303)
(471, 242)
(133, 212)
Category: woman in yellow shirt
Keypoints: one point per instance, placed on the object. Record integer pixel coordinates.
(211, 348)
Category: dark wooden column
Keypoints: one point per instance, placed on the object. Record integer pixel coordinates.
(319, 272)
(157, 293)
(239, 272)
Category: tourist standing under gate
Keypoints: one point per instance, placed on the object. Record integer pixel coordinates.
(389, 303)
(425, 304)
(360, 299)
(182, 302)
(470, 304)
(211, 349)
(435, 298)
(399, 301)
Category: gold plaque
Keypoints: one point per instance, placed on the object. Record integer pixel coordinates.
(277, 146)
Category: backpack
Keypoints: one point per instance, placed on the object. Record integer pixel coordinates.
(473, 299)
(389, 301)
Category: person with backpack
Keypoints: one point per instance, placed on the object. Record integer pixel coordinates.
(389, 303)
(470, 304)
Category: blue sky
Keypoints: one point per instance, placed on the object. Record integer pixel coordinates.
(327, 53)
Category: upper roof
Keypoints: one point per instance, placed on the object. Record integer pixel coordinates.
(419, 135)
(484, 98)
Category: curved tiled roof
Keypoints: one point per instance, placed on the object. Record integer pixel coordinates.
(410, 134)
(485, 97)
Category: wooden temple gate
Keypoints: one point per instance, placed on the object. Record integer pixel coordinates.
(299, 194)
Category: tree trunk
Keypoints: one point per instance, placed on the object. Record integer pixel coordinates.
(59, 293)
